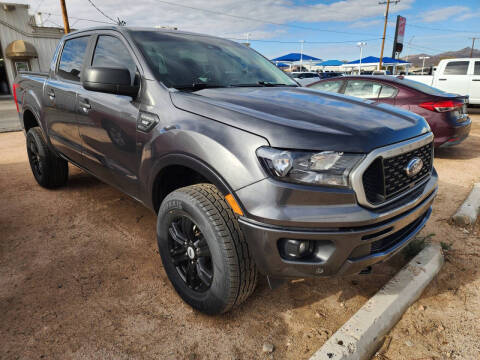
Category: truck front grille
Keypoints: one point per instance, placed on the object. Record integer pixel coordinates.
(386, 178)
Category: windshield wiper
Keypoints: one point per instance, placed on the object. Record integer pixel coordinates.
(261, 84)
(266, 83)
(198, 86)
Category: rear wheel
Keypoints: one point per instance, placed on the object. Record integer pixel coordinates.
(203, 250)
(49, 170)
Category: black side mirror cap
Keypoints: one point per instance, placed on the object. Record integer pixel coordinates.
(109, 80)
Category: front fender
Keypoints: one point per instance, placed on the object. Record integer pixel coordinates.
(222, 154)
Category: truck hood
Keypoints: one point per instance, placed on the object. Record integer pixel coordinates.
(301, 118)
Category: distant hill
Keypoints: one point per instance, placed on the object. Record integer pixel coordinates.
(434, 59)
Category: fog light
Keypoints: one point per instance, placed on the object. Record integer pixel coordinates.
(297, 248)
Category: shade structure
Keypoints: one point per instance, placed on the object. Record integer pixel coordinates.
(280, 64)
(376, 60)
(295, 57)
(330, 63)
(20, 49)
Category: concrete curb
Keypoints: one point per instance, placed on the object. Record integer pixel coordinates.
(361, 336)
(468, 212)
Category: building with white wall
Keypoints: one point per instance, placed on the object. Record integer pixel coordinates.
(23, 44)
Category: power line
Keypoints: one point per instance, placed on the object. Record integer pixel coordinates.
(442, 29)
(78, 18)
(305, 41)
(260, 20)
(118, 21)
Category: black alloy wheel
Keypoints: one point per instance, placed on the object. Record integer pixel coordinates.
(34, 158)
(190, 254)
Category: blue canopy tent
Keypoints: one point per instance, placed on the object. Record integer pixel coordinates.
(330, 63)
(295, 59)
(292, 57)
(375, 60)
(372, 62)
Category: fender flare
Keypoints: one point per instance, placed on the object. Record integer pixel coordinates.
(190, 162)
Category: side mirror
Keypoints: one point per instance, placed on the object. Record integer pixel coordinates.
(109, 80)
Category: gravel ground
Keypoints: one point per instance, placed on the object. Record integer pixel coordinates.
(80, 277)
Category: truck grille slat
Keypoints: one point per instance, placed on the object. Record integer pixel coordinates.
(386, 178)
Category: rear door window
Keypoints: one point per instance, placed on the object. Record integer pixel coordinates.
(111, 52)
(363, 89)
(329, 86)
(456, 68)
(71, 61)
(476, 70)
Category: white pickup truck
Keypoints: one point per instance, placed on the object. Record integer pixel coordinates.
(458, 76)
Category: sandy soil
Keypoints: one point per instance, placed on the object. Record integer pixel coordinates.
(80, 277)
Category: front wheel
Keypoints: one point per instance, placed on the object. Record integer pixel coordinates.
(203, 250)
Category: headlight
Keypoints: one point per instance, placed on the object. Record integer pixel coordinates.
(318, 168)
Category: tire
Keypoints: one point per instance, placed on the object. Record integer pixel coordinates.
(226, 278)
(49, 170)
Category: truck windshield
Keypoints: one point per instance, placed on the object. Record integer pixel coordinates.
(194, 62)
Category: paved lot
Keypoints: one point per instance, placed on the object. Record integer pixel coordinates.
(80, 277)
(8, 116)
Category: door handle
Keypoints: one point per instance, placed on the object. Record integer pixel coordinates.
(442, 79)
(51, 94)
(84, 105)
(475, 79)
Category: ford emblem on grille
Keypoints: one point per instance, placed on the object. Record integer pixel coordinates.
(414, 166)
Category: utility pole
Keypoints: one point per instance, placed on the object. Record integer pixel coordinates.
(473, 45)
(66, 25)
(385, 28)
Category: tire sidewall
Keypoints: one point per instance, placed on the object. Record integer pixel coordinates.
(216, 298)
(34, 136)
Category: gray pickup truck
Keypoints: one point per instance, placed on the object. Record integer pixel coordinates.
(246, 170)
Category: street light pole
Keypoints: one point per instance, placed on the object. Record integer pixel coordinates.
(301, 54)
(423, 63)
(360, 44)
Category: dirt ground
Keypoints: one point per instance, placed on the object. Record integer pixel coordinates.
(80, 278)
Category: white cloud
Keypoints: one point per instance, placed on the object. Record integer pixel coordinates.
(443, 13)
(468, 15)
(364, 24)
(151, 13)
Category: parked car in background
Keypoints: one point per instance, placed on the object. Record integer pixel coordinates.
(458, 76)
(329, 74)
(445, 113)
(305, 78)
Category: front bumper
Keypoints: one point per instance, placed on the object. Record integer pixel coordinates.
(348, 240)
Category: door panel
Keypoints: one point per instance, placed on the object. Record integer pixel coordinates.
(475, 84)
(107, 122)
(454, 78)
(60, 95)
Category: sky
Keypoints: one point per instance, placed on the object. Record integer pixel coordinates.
(330, 29)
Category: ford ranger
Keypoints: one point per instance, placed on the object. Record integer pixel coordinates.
(246, 171)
